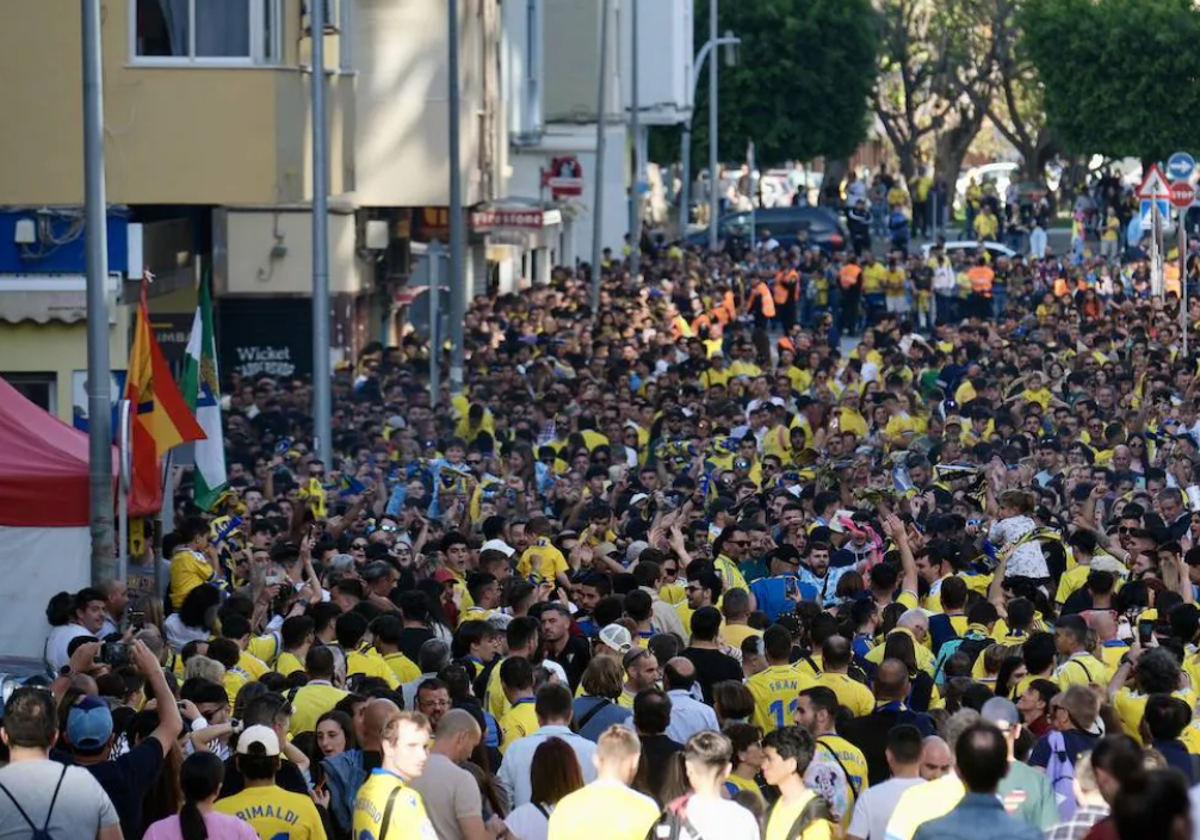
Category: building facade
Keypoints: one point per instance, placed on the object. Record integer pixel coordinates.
(551, 83)
(208, 169)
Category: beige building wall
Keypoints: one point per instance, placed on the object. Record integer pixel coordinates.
(174, 135)
(61, 349)
(251, 269)
(400, 49)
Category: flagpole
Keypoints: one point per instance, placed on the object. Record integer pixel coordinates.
(124, 452)
(166, 525)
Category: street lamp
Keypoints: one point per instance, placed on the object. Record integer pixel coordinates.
(728, 40)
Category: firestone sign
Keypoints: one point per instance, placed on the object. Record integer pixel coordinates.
(522, 219)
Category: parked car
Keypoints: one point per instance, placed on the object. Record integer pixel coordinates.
(825, 227)
(971, 246)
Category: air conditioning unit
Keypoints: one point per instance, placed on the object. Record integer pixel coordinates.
(383, 239)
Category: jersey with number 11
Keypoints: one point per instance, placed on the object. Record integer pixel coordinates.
(776, 691)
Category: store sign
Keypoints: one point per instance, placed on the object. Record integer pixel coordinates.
(511, 219)
(265, 337)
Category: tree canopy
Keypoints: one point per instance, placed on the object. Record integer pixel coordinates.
(1120, 77)
(802, 84)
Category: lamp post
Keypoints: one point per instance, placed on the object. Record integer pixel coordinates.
(322, 388)
(728, 40)
(601, 126)
(458, 289)
(99, 399)
(635, 128)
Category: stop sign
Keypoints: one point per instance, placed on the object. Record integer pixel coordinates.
(1182, 194)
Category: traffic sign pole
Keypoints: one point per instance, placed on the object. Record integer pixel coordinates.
(1183, 296)
(1156, 262)
(1181, 166)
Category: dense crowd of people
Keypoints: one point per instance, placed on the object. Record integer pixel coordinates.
(694, 569)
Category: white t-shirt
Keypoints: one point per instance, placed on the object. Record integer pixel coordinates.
(528, 823)
(179, 634)
(57, 643)
(720, 819)
(874, 808)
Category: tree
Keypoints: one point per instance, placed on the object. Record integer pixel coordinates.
(913, 95)
(802, 85)
(936, 76)
(1017, 107)
(1119, 75)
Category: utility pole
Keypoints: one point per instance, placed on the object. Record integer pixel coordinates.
(714, 178)
(458, 289)
(322, 399)
(598, 203)
(99, 391)
(635, 196)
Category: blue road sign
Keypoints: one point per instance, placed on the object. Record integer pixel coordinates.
(1180, 166)
(1147, 213)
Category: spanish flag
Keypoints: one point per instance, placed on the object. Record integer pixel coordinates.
(161, 419)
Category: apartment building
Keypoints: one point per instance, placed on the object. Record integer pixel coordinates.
(208, 170)
(551, 69)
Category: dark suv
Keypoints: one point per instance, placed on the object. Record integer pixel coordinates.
(824, 226)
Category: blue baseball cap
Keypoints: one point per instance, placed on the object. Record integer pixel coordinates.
(89, 724)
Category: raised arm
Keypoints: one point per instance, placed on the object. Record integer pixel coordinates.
(169, 721)
(908, 564)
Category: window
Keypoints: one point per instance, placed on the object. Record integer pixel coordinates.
(41, 389)
(206, 31)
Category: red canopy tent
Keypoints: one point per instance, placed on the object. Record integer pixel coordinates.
(43, 467)
(45, 545)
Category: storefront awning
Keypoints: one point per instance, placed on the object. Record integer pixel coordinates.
(51, 297)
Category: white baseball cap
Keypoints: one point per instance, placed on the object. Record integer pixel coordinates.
(616, 637)
(262, 736)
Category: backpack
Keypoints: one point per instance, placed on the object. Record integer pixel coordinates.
(815, 809)
(1060, 770)
(972, 647)
(673, 823)
(42, 833)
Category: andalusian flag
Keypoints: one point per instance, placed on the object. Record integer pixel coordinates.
(202, 390)
(161, 418)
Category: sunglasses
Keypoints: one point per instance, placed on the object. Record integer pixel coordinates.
(670, 571)
(474, 462)
(358, 547)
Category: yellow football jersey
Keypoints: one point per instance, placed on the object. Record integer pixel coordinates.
(776, 690)
(407, 819)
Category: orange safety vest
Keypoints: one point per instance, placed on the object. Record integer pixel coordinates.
(761, 292)
(848, 276)
(729, 307)
(785, 286)
(981, 280)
